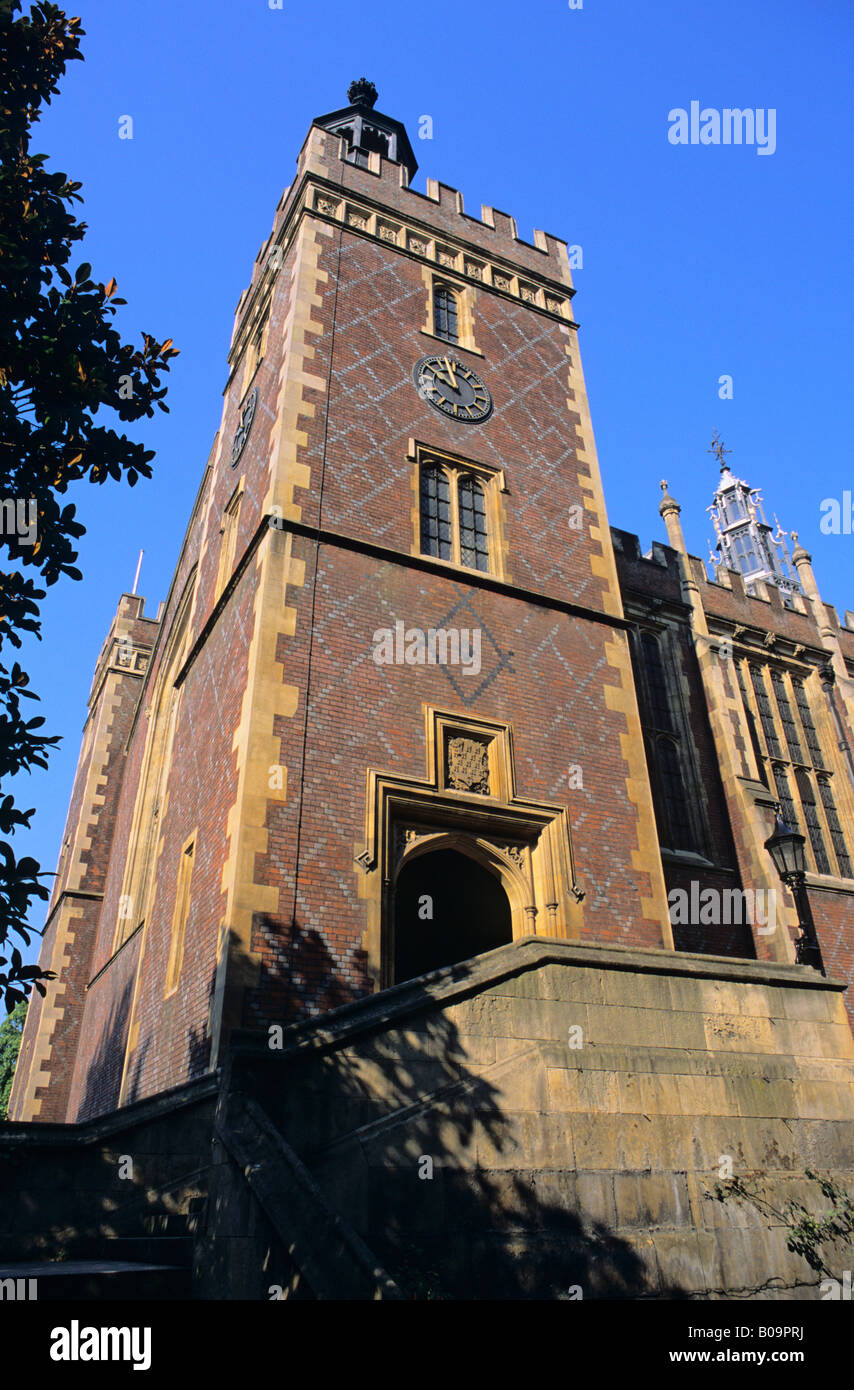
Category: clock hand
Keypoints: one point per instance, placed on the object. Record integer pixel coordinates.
(453, 381)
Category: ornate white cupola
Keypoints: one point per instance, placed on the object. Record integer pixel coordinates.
(745, 540)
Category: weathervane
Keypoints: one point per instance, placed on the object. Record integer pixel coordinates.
(719, 451)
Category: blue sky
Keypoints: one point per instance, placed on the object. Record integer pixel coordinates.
(698, 261)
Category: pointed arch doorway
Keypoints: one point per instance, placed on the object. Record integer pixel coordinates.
(448, 907)
(467, 802)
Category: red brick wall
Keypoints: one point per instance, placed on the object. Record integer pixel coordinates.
(374, 409)
(97, 1076)
(89, 830)
(833, 914)
(362, 715)
(173, 1040)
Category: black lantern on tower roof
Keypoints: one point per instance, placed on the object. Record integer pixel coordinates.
(368, 131)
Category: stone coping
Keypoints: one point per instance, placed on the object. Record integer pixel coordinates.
(139, 1112)
(453, 982)
(394, 1005)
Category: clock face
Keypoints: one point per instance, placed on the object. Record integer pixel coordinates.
(453, 388)
(241, 434)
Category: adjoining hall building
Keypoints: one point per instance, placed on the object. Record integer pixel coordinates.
(417, 733)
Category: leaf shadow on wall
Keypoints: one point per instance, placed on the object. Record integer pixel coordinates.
(402, 1095)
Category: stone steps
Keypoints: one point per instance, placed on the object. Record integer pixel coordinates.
(152, 1261)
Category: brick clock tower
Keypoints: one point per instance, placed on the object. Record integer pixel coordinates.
(401, 835)
(386, 717)
(405, 701)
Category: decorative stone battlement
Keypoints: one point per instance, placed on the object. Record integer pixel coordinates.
(432, 226)
(728, 606)
(446, 199)
(128, 645)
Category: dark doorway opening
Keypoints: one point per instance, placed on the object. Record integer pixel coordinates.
(448, 908)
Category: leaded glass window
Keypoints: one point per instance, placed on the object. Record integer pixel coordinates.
(787, 718)
(474, 551)
(659, 704)
(810, 811)
(837, 837)
(816, 834)
(751, 724)
(810, 731)
(784, 796)
(455, 512)
(445, 314)
(765, 713)
(679, 834)
(435, 513)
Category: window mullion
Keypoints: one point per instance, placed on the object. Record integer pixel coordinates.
(454, 477)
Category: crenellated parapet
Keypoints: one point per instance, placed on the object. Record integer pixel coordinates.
(375, 200)
(128, 645)
(753, 619)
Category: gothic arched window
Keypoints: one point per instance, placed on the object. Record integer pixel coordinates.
(807, 802)
(810, 731)
(766, 714)
(784, 796)
(680, 825)
(787, 719)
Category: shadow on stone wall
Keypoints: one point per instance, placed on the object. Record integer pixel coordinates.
(457, 1197)
(104, 1074)
(424, 1119)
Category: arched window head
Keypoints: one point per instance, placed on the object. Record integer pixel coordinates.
(784, 796)
(445, 315)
